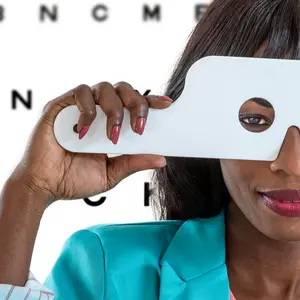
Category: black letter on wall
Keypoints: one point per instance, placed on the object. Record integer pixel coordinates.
(152, 14)
(200, 10)
(44, 10)
(94, 203)
(146, 194)
(26, 102)
(1, 13)
(97, 16)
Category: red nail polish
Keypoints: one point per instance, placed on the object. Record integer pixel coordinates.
(140, 125)
(166, 98)
(115, 133)
(83, 131)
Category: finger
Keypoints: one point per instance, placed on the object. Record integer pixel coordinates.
(107, 98)
(82, 97)
(159, 102)
(53, 107)
(135, 103)
(122, 166)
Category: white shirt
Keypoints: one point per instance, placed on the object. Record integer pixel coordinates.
(32, 290)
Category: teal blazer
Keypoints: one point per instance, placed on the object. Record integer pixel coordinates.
(162, 260)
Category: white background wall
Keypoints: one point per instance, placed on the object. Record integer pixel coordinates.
(51, 58)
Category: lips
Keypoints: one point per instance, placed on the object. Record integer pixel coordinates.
(283, 202)
(287, 196)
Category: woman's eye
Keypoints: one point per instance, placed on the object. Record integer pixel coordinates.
(254, 120)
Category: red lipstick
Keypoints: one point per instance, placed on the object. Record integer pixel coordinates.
(283, 202)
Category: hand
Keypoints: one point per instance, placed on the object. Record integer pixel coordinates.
(53, 171)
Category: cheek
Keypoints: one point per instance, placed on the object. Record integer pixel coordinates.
(238, 176)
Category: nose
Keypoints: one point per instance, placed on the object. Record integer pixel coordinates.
(288, 159)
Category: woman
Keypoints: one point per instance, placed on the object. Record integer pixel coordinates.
(218, 236)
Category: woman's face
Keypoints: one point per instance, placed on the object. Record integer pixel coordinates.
(267, 192)
(246, 180)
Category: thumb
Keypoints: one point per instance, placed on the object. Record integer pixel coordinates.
(122, 166)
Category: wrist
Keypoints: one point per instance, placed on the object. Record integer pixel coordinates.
(22, 189)
(21, 210)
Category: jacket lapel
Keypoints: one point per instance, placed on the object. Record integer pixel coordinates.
(193, 266)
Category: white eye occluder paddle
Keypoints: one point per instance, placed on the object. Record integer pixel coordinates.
(204, 121)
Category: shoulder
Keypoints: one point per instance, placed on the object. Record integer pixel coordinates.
(91, 255)
(109, 237)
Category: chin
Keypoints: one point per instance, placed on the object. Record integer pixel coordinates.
(284, 236)
(278, 228)
(274, 225)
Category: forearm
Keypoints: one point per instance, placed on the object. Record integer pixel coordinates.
(21, 210)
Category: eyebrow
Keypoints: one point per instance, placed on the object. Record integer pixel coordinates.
(262, 102)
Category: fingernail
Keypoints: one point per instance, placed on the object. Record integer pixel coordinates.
(115, 133)
(166, 98)
(83, 131)
(140, 125)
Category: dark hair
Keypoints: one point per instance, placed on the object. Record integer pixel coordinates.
(190, 187)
